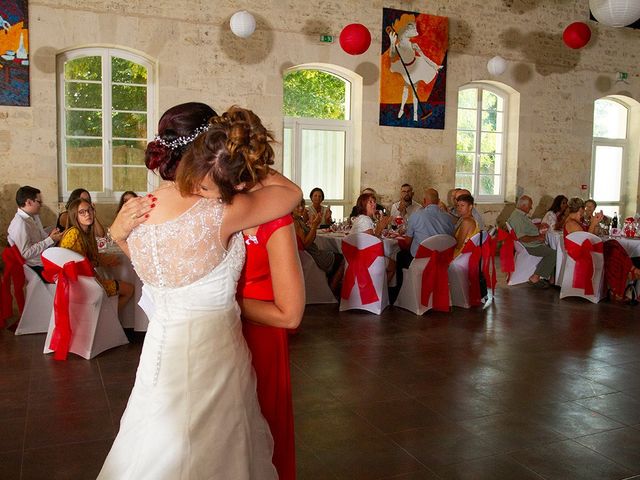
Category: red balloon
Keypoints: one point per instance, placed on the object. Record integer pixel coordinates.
(355, 39)
(576, 35)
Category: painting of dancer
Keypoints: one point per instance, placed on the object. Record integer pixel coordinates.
(14, 53)
(413, 69)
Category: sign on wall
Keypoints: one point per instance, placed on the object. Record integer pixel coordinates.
(14, 53)
(413, 69)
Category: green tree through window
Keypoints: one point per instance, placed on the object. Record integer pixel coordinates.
(314, 94)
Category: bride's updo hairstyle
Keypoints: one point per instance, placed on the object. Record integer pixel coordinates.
(235, 152)
(177, 129)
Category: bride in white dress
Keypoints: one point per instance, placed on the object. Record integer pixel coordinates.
(193, 412)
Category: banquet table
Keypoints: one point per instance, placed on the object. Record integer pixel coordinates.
(132, 315)
(332, 241)
(631, 245)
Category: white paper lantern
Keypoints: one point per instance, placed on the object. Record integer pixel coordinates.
(615, 13)
(497, 65)
(242, 24)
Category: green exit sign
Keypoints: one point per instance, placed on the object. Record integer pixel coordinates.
(326, 38)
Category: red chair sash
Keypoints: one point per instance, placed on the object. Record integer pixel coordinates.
(65, 277)
(507, 257)
(583, 271)
(359, 262)
(435, 277)
(13, 273)
(474, 271)
(489, 247)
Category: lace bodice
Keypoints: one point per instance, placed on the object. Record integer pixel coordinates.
(180, 251)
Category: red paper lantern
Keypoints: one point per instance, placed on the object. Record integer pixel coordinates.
(576, 35)
(355, 39)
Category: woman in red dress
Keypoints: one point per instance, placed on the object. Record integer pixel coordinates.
(271, 297)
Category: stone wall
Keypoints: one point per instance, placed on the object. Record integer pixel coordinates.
(200, 59)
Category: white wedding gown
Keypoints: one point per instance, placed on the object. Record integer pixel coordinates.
(193, 412)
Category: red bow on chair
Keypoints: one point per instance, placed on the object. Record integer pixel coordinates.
(474, 271)
(583, 272)
(435, 277)
(489, 261)
(507, 261)
(64, 276)
(13, 272)
(359, 262)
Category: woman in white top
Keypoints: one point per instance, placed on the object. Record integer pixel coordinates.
(555, 216)
(316, 208)
(363, 223)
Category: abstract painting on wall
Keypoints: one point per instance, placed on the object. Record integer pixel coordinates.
(413, 69)
(14, 53)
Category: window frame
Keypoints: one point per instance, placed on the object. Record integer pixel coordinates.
(298, 124)
(611, 142)
(504, 96)
(108, 194)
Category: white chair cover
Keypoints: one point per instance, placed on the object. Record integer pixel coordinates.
(377, 272)
(315, 281)
(566, 288)
(410, 292)
(94, 316)
(459, 277)
(38, 304)
(525, 263)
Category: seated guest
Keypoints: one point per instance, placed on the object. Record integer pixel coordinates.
(25, 230)
(124, 198)
(364, 223)
(554, 217)
(589, 211)
(618, 267)
(575, 218)
(379, 208)
(316, 208)
(532, 240)
(63, 218)
(406, 206)
(467, 226)
(81, 238)
(474, 212)
(450, 206)
(423, 224)
(329, 262)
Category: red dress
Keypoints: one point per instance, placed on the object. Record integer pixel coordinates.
(270, 350)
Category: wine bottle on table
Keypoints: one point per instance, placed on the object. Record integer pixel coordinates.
(614, 220)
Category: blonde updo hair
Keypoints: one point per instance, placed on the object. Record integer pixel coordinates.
(235, 152)
(575, 204)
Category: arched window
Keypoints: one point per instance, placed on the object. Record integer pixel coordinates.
(105, 116)
(481, 142)
(319, 133)
(609, 155)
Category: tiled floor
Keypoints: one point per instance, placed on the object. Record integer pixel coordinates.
(531, 387)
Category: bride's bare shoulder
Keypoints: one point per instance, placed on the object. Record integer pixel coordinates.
(170, 204)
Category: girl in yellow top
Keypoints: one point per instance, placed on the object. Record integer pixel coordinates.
(80, 238)
(467, 225)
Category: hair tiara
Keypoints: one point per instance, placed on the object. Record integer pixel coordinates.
(182, 141)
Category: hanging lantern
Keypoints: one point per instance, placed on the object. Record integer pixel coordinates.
(497, 65)
(242, 24)
(355, 39)
(576, 35)
(615, 13)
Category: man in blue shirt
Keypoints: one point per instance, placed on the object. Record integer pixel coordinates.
(423, 224)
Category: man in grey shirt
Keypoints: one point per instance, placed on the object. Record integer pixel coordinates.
(532, 240)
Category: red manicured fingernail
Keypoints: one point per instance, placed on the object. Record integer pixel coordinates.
(149, 195)
(146, 216)
(153, 205)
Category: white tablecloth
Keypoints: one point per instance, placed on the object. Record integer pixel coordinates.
(333, 242)
(132, 316)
